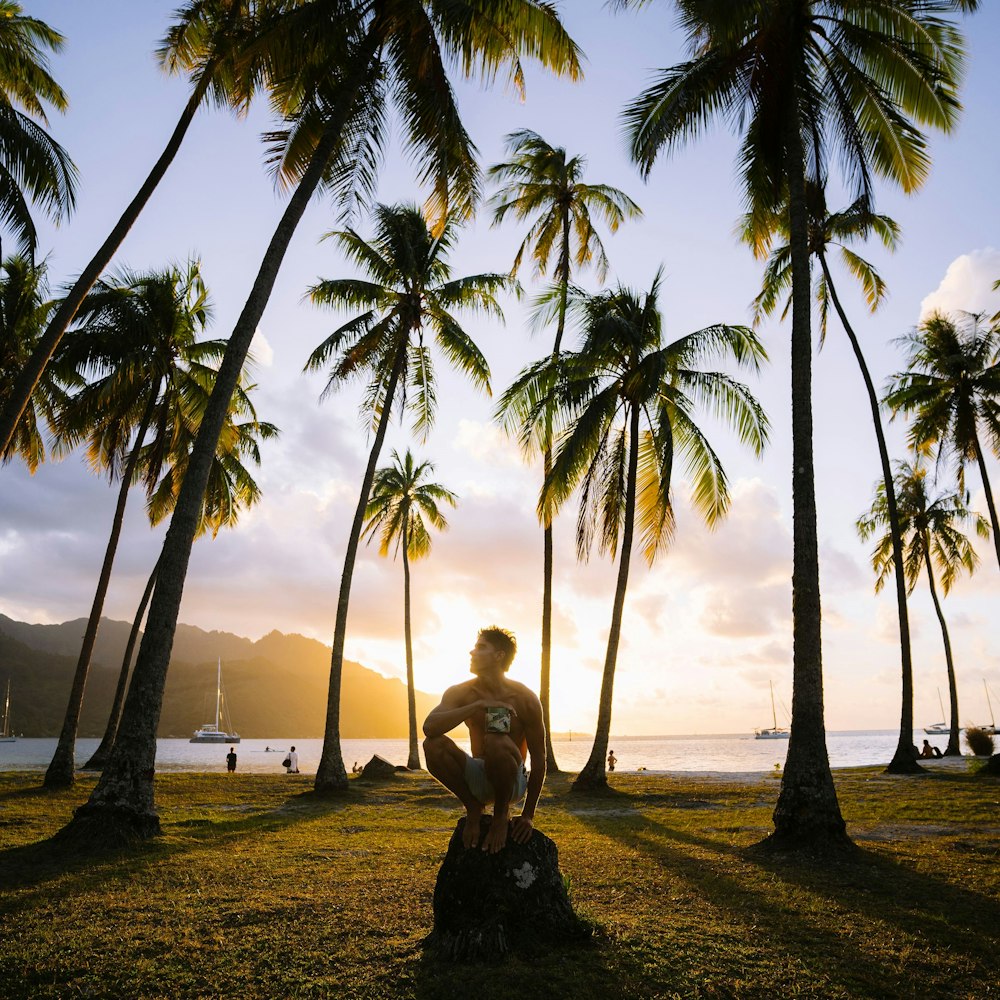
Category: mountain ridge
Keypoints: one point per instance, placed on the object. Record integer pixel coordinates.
(276, 685)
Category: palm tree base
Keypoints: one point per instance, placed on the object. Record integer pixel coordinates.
(98, 760)
(903, 763)
(60, 773)
(108, 827)
(331, 785)
(590, 782)
(950, 751)
(811, 843)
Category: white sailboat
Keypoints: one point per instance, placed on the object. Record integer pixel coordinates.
(938, 728)
(6, 736)
(992, 727)
(211, 733)
(775, 732)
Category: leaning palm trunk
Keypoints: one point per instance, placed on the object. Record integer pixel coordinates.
(60, 771)
(953, 749)
(544, 692)
(29, 376)
(593, 774)
(989, 497)
(903, 761)
(807, 814)
(100, 756)
(122, 805)
(331, 775)
(413, 759)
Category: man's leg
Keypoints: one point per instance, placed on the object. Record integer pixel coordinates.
(447, 763)
(503, 761)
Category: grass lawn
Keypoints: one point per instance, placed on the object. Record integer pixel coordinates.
(259, 888)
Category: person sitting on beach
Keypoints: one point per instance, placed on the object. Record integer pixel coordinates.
(927, 750)
(504, 719)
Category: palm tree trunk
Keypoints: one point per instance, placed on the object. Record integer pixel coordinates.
(100, 756)
(953, 749)
(331, 775)
(593, 775)
(413, 759)
(989, 497)
(807, 814)
(122, 806)
(62, 765)
(28, 378)
(902, 761)
(544, 687)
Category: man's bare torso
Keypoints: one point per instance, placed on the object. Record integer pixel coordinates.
(514, 694)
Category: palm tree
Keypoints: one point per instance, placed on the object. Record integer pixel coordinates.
(335, 110)
(33, 166)
(212, 41)
(542, 184)
(952, 391)
(137, 343)
(625, 407)
(409, 291)
(231, 490)
(932, 536)
(401, 500)
(24, 309)
(838, 229)
(807, 81)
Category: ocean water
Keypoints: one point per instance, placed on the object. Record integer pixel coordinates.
(725, 753)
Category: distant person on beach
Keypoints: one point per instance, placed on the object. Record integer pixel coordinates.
(927, 750)
(355, 769)
(612, 760)
(231, 760)
(504, 719)
(291, 762)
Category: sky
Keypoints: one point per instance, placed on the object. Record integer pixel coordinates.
(709, 625)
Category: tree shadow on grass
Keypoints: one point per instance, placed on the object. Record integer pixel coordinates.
(823, 912)
(38, 864)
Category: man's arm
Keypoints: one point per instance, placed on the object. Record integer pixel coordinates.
(534, 734)
(452, 712)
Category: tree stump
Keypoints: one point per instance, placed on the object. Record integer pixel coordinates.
(378, 769)
(489, 905)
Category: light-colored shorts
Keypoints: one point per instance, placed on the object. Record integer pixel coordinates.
(475, 778)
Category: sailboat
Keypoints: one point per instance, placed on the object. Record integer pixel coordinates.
(938, 728)
(775, 732)
(6, 736)
(211, 733)
(992, 727)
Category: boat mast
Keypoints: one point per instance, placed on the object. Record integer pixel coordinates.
(986, 688)
(941, 703)
(774, 714)
(6, 710)
(218, 695)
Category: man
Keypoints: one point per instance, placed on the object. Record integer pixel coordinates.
(231, 760)
(291, 762)
(504, 719)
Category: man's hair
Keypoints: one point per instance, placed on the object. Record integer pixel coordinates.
(503, 640)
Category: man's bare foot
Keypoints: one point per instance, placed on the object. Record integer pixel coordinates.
(496, 838)
(470, 834)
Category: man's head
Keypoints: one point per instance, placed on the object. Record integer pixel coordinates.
(495, 647)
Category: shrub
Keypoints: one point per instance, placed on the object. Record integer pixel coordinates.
(980, 742)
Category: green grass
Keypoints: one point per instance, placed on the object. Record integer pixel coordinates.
(258, 888)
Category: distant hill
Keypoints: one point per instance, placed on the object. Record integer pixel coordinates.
(275, 687)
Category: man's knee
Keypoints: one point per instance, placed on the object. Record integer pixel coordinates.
(435, 749)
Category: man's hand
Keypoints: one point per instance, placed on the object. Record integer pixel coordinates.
(520, 829)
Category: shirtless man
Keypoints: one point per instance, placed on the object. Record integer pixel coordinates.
(495, 771)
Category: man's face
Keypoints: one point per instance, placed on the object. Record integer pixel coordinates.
(484, 656)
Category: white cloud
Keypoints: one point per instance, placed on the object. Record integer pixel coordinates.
(260, 350)
(967, 285)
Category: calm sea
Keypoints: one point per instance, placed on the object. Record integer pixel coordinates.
(732, 753)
